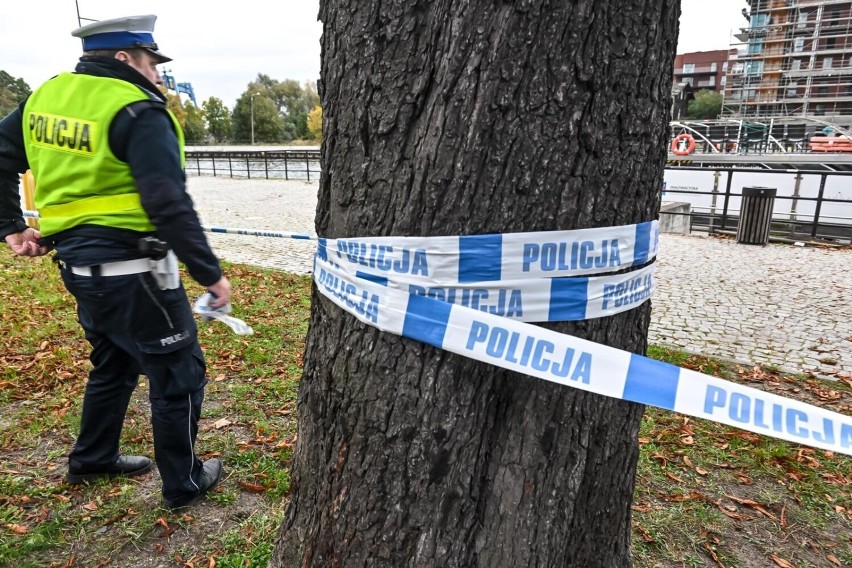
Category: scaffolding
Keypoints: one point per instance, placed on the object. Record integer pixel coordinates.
(792, 61)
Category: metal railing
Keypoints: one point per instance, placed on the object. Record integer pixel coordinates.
(819, 203)
(255, 164)
(809, 205)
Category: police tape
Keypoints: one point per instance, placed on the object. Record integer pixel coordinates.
(483, 335)
(260, 233)
(537, 277)
(231, 231)
(530, 300)
(438, 290)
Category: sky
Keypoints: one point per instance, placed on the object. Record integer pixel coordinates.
(221, 47)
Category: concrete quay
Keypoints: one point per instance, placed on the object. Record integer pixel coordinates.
(780, 305)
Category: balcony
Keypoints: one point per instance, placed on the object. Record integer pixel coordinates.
(706, 70)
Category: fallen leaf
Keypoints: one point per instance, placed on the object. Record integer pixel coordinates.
(91, 506)
(694, 496)
(252, 487)
(713, 555)
(221, 423)
(744, 479)
(732, 514)
(834, 560)
(701, 471)
(754, 505)
(642, 507)
(17, 529)
(780, 562)
(165, 524)
(672, 476)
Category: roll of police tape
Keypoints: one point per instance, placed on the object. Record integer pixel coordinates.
(483, 335)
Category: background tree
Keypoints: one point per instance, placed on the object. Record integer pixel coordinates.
(12, 92)
(195, 130)
(174, 104)
(293, 102)
(706, 105)
(268, 122)
(465, 118)
(218, 119)
(315, 123)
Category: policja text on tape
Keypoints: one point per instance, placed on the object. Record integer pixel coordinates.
(393, 301)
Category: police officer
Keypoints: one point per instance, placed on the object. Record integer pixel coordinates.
(107, 157)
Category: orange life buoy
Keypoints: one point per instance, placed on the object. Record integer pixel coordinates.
(683, 145)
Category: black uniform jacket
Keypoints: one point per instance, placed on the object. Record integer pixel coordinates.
(144, 137)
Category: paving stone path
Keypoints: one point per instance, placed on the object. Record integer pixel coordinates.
(782, 305)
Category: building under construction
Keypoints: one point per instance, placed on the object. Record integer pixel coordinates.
(793, 60)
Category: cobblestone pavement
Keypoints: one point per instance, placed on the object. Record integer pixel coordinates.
(786, 306)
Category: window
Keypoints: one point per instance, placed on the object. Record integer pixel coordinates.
(688, 80)
(724, 80)
(725, 67)
(712, 82)
(830, 42)
(755, 46)
(713, 67)
(803, 20)
(688, 68)
(792, 89)
(799, 44)
(759, 20)
(754, 68)
(796, 65)
(826, 63)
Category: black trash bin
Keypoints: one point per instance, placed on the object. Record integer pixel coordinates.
(755, 215)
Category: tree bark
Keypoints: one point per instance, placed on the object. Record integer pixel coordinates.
(450, 117)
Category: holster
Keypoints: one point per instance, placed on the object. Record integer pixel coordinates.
(165, 271)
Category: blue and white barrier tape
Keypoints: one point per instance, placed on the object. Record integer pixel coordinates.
(482, 335)
(232, 231)
(446, 291)
(531, 299)
(260, 233)
(513, 256)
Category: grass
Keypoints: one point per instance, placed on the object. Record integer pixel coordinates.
(706, 496)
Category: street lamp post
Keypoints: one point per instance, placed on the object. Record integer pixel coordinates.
(253, 95)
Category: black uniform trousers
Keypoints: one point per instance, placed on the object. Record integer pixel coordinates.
(134, 327)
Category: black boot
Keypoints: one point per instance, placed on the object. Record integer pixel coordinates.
(124, 466)
(211, 473)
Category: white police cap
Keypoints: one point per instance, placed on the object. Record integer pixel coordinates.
(121, 33)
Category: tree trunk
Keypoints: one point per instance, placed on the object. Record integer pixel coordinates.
(444, 117)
